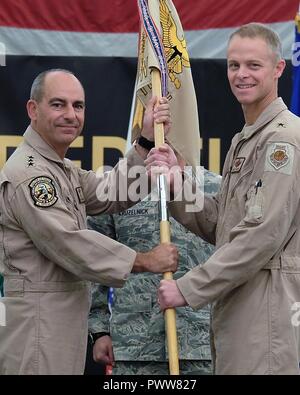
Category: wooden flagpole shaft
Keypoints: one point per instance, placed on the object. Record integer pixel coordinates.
(165, 234)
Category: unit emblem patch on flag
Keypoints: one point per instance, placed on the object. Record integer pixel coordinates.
(175, 46)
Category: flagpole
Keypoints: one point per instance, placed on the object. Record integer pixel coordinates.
(165, 234)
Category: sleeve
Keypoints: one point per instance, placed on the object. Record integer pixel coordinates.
(268, 224)
(196, 210)
(55, 232)
(103, 223)
(118, 189)
(99, 313)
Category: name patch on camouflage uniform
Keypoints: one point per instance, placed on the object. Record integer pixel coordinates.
(138, 211)
(280, 157)
(43, 192)
(237, 165)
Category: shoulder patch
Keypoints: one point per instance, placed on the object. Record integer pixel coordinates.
(43, 192)
(280, 158)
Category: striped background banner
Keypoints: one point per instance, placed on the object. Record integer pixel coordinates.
(98, 40)
(109, 28)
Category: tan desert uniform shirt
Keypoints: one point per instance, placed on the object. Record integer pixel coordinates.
(46, 254)
(254, 276)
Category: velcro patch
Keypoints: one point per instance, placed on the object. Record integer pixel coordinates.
(80, 195)
(43, 192)
(237, 165)
(280, 158)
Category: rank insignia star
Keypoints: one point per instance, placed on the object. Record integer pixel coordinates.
(30, 161)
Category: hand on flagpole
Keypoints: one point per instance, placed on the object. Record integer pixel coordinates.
(163, 160)
(156, 111)
(169, 295)
(163, 258)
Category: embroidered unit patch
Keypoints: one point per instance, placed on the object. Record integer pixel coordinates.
(43, 192)
(280, 157)
(237, 165)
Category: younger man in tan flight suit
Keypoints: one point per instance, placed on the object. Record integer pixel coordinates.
(253, 278)
(46, 252)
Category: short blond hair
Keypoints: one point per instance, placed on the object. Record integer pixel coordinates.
(254, 29)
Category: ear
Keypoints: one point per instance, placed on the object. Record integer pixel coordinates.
(32, 109)
(280, 68)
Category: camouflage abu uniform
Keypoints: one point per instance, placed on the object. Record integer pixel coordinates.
(137, 326)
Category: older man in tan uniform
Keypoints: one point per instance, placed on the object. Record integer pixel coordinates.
(46, 251)
(253, 279)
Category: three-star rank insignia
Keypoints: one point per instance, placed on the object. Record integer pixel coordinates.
(43, 192)
(30, 161)
(279, 157)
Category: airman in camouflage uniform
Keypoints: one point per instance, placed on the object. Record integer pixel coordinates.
(136, 325)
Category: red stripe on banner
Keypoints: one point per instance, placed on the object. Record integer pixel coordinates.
(122, 15)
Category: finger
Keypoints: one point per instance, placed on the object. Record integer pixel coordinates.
(152, 102)
(163, 108)
(163, 100)
(111, 356)
(164, 148)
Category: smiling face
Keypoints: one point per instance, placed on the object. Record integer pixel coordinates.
(59, 116)
(253, 71)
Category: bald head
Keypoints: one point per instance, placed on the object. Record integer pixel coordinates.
(56, 108)
(38, 86)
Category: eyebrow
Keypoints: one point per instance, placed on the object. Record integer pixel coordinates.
(55, 99)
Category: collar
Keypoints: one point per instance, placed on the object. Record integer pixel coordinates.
(34, 140)
(273, 109)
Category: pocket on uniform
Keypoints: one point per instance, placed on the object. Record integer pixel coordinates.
(290, 264)
(137, 220)
(255, 205)
(133, 303)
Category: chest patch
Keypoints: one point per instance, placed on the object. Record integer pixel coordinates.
(43, 192)
(80, 195)
(237, 165)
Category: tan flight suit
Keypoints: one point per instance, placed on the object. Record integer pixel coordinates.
(254, 275)
(47, 254)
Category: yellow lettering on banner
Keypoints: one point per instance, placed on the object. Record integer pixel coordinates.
(99, 145)
(78, 143)
(214, 155)
(7, 141)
